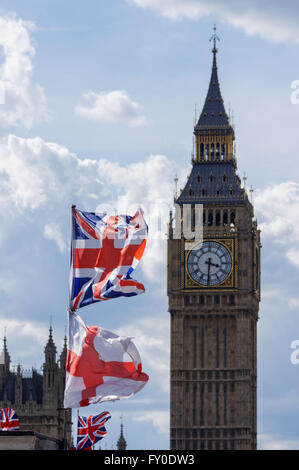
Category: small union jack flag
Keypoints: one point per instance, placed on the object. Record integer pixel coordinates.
(91, 430)
(105, 251)
(9, 420)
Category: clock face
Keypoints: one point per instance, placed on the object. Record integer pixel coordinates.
(209, 264)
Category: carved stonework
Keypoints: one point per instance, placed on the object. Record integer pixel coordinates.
(214, 325)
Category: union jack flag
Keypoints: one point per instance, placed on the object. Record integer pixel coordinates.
(9, 420)
(90, 430)
(105, 251)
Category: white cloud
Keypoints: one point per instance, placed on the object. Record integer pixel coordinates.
(26, 336)
(275, 21)
(113, 106)
(276, 442)
(293, 303)
(277, 207)
(152, 340)
(159, 418)
(52, 231)
(36, 175)
(20, 328)
(23, 102)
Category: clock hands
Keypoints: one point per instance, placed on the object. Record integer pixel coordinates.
(209, 263)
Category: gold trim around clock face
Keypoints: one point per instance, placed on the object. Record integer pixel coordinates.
(229, 283)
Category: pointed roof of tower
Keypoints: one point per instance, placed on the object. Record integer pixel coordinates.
(50, 346)
(121, 443)
(213, 115)
(4, 356)
(63, 354)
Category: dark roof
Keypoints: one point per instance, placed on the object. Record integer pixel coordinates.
(213, 182)
(213, 115)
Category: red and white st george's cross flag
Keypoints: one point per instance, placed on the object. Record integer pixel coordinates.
(100, 366)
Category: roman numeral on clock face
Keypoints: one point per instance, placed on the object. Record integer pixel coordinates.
(210, 264)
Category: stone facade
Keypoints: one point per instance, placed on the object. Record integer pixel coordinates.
(214, 324)
(27, 440)
(37, 397)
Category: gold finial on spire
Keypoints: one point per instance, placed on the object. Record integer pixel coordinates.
(215, 38)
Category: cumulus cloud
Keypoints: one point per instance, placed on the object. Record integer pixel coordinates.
(159, 418)
(40, 181)
(52, 231)
(28, 337)
(276, 442)
(274, 21)
(21, 328)
(23, 102)
(113, 106)
(277, 206)
(152, 344)
(293, 303)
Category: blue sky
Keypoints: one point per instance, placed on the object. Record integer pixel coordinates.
(99, 110)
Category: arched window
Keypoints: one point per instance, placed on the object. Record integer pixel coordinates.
(212, 151)
(225, 218)
(201, 151)
(217, 151)
(222, 151)
(232, 217)
(217, 218)
(207, 152)
(210, 218)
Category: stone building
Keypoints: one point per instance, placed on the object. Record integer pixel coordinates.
(37, 397)
(214, 294)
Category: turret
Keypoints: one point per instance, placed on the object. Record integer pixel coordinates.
(50, 371)
(213, 132)
(63, 355)
(4, 364)
(121, 443)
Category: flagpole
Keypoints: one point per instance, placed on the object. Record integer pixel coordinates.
(69, 309)
(71, 260)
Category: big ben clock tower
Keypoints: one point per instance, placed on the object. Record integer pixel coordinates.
(214, 294)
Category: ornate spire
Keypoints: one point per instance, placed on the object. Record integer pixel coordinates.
(213, 115)
(63, 354)
(4, 356)
(215, 38)
(213, 132)
(50, 344)
(50, 349)
(121, 443)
